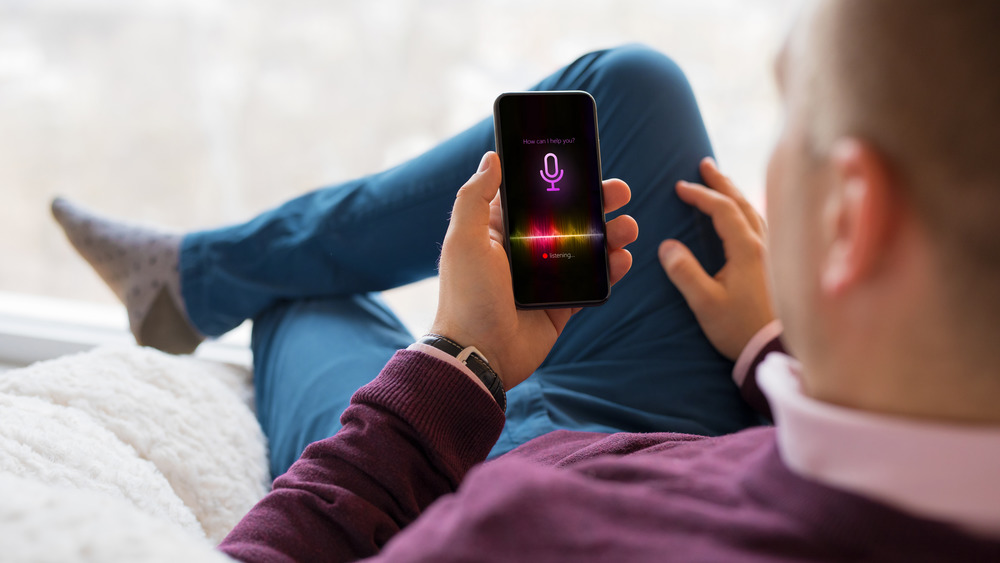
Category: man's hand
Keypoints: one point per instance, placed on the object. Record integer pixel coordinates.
(476, 305)
(736, 303)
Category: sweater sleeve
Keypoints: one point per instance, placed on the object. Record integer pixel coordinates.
(767, 340)
(408, 437)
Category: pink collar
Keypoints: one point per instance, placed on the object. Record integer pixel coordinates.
(938, 471)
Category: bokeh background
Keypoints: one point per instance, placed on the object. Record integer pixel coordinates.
(195, 113)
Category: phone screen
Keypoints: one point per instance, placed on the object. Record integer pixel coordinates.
(552, 199)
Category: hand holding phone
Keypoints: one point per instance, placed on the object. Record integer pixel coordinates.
(476, 304)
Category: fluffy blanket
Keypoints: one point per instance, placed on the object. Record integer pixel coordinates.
(126, 455)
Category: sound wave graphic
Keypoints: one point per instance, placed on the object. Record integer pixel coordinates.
(542, 229)
(545, 236)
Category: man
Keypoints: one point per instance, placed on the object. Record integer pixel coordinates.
(884, 260)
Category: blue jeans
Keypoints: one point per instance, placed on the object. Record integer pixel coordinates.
(308, 273)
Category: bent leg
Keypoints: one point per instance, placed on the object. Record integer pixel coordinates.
(383, 230)
(310, 356)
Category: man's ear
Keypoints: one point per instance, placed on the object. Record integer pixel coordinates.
(859, 215)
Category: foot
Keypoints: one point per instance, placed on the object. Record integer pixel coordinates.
(139, 264)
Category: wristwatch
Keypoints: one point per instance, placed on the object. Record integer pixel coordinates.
(474, 360)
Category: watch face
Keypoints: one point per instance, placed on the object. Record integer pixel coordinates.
(552, 198)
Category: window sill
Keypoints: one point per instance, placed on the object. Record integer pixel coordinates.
(35, 328)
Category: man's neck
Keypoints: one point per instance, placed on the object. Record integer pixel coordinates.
(935, 382)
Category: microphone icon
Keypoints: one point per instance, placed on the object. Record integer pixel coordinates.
(555, 175)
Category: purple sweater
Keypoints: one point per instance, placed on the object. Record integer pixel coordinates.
(400, 482)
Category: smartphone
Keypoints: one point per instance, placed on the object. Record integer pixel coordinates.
(553, 204)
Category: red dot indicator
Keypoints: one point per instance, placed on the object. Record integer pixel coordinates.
(545, 255)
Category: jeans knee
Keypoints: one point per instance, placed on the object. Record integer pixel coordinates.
(640, 65)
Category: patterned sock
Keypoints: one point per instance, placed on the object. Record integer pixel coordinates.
(140, 265)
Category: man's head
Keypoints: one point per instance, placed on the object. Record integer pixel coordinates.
(883, 196)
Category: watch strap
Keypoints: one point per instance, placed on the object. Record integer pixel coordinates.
(474, 360)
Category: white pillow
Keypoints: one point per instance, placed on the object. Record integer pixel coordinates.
(173, 437)
(42, 523)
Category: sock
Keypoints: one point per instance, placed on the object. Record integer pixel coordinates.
(139, 264)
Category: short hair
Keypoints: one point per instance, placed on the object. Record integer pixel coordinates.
(920, 81)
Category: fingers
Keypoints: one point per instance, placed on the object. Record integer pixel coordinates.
(622, 231)
(616, 194)
(619, 262)
(721, 183)
(683, 269)
(472, 204)
(739, 239)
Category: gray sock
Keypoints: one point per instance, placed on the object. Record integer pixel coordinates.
(139, 264)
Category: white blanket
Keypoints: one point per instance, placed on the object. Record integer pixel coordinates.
(126, 454)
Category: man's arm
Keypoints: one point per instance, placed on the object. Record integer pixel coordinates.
(412, 434)
(408, 437)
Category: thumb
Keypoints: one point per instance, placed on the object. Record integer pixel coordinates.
(472, 204)
(686, 273)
